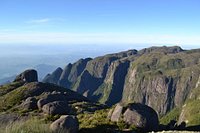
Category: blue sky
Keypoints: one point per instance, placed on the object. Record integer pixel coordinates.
(100, 21)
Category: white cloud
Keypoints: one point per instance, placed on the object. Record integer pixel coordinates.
(101, 38)
(39, 21)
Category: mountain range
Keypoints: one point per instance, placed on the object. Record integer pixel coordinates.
(164, 78)
(153, 89)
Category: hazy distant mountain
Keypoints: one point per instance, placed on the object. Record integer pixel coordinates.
(43, 70)
(7, 80)
(18, 57)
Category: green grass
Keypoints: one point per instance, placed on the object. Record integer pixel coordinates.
(13, 98)
(32, 125)
(99, 123)
(94, 120)
(172, 115)
(192, 112)
(9, 87)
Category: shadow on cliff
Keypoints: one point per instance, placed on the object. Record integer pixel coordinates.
(106, 128)
(172, 125)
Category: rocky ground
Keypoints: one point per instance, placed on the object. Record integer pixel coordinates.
(31, 106)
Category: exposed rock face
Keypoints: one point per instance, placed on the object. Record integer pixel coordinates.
(67, 123)
(29, 104)
(86, 75)
(141, 116)
(160, 77)
(27, 76)
(68, 76)
(110, 92)
(72, 72)
(56, 108)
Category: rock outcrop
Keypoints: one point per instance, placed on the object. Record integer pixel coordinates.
(56, 108)
(27, 76)
(141, 116)
(50, 98)
(30, 104)
(47, 98)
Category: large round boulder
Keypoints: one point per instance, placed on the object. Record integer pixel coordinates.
(66, 123)
(141, 116)
(136, 114)
(56, 108)
(27, 76)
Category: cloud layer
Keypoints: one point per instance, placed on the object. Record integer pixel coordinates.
(94, 38)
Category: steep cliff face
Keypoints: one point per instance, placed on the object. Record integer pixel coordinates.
(162, 81)
(68, 76)
(71, 72)
(160, 77)
(95, 73)
(110, 91)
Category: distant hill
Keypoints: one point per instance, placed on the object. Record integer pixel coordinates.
(7, 80)
(43, 70)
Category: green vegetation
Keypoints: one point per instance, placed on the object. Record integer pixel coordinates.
(94, 120)
(9, 87)
(191, 109)
(99, 123)
(8, 100)
(104, 90)
(192, 113)
(32, 125)
(172, 115)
